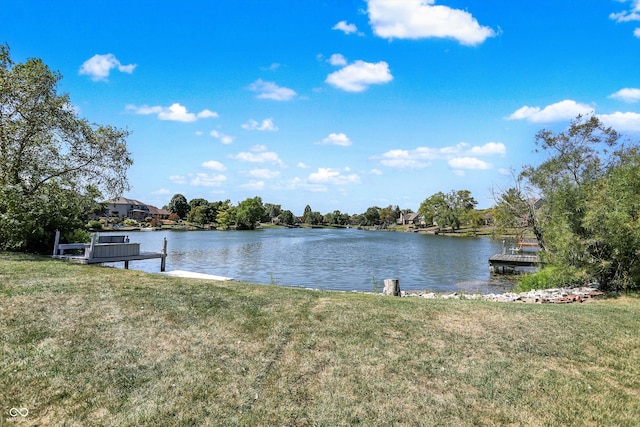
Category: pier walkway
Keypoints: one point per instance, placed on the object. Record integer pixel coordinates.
(103, 249)
(505, 263)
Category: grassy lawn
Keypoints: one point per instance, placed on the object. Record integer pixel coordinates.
(87, 345)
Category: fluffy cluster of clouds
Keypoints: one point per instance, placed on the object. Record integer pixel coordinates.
(416, 19)
(630, 15)
(388, 19)
(98, 67)
(175, 112)
(459, 157)
(568, 109)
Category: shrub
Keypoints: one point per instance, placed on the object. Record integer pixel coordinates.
(551, 277)
(94, 224)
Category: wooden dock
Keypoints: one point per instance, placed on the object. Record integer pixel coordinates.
(103, 249)
(510, 264)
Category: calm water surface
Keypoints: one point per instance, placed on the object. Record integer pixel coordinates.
(337, 259)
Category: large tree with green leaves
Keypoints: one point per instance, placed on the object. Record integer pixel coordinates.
(179, 206)
(587, 217)
(249, 213)
(448, 210)
(53, 164)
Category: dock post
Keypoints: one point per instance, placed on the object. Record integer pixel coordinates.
(164, 254)
(56, 243)
(94, 239)
(392, 287)
(126, 265)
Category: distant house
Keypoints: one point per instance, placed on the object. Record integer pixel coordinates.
(411, 219)
(133, 209)
(158, 213)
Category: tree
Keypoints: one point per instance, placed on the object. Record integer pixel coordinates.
(249, 213)
(194, 203)
(179, 206)
(287, 218)
(388, 215)
(314, 218)
(53, 164)
(198, 215)
(226, 216)
(448, 210)
(372, 216)
(271, 211)
(305, 215)
(587, 220)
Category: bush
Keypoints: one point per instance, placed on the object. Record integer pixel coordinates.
(551, 277)
(94, 224)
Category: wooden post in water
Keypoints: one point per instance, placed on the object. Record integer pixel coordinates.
(391, 287)
(164, 253)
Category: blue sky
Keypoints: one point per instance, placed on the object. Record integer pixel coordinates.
(336, 104)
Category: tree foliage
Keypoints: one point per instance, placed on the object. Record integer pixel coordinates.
(287, 217)
(53, 164)
(179, 206)
(587, 218)
(448, 210)
(249, 213)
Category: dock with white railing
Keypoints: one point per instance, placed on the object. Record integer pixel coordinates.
(104, 249)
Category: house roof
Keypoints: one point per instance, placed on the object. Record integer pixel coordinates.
(125, 201)
(156, 211)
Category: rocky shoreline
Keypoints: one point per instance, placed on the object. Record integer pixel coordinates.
(548, 296)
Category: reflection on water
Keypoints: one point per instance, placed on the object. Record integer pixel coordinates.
(338, 259)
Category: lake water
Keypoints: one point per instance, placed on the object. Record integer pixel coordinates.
(336, 259)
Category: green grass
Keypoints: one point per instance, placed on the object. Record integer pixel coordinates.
(87, 345)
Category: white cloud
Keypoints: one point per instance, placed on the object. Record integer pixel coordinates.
(333, 176)
(622, 122)
(175, 112)
(563, 110)
(297, 184)
(178, 179)
(359, 75)
(98, 67)
(468, 163)
(404, 159)
(263, 173)
(336, 139)
(270, 90)
(272, 67)
(488, 149)
(416, 19)
(345, 28)
(266, 125)
(258, 154)
(625, 16)
(457, 155)
(302, 165)
(214, 165)
(337, 60)
(253, 185)
(633, 14)
(627, 94)
(375, 172)
(161, 191)
(225, 139)
(207, 114)
(206, 180)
